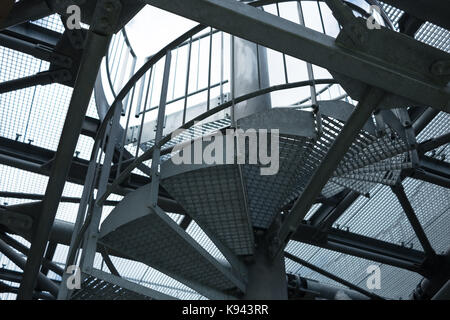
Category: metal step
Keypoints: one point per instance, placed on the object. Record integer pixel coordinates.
(214, 198)
(150, 236)
(370, 160)
(99, 285)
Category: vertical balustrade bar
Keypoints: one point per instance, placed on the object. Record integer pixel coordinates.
(122, 146)
(127, 98)
(284, 56)
(175, 73)
(221, 67)
(91, 236)
(140, 96)
(141, 128)
(81, 215)
(208, 102)
(159, 132)
(308, 65)
(232, 79)
(187, 80)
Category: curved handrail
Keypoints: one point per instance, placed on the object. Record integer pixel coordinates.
(161, 53)
(151, 62)
(147, 155)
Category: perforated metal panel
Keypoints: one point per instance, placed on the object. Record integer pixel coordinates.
(97, 289)
(103, 286)
(157, 241)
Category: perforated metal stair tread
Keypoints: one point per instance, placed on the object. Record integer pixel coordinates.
(214, 198)
(151, 237)
(99, 285)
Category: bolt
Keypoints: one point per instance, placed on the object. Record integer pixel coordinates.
(109, 6)
(18, 135)
(30, 141)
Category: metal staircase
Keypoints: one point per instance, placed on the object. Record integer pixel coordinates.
(231, 202)
(228, 200)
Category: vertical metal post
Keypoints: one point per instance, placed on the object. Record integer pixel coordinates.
(188, 72)
(308, 65)
(86, 195)
(245, 77)
(97, 45)
(208, 98)
(159, 131)
(266, 277)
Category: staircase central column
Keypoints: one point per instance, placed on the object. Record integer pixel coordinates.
(266, 276)
(249, 66)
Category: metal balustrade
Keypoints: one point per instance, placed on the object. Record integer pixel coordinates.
(128, 143)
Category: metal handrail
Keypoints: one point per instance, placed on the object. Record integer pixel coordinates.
(148, 153)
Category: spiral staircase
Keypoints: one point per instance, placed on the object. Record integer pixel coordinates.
(233, 203)
(229, 201)
(241, 210)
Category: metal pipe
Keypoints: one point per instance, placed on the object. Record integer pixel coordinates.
(48, 264)
(43, 281)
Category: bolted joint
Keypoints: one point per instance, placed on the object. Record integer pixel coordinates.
(61, 76)
(106, 16)
(441, 68)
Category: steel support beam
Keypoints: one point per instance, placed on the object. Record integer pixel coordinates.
(24, 11)
(332, 276)
(326, 215)
(108, 261)
(43, 281)
(430, 170)
(96, 45)
(36, 295)
(434, 143)
(34, 33)
(266, 276)
(326, 168)
(31, 196)
(399, 191)
(47, 263)
(424, 119)
(435, 166)
(39, 79)
(49, 253)
(362, 247)
(35, 159)
(306, 44)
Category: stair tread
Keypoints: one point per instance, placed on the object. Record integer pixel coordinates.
(152, 237)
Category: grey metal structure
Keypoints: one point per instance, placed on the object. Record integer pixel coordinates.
(373, 128)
